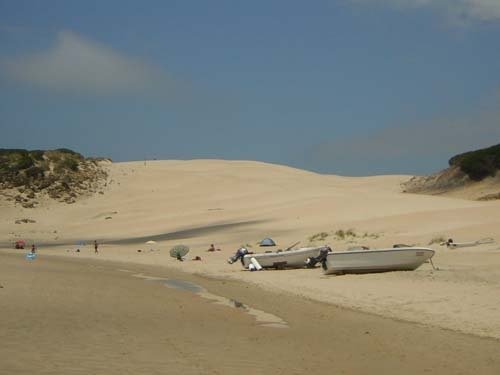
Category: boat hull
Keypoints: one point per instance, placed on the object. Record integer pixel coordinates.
(283, 259)
(380, 260)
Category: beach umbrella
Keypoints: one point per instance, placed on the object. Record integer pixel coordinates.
(179, 251)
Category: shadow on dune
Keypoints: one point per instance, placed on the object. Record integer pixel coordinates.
(177, 235)
(182, 234)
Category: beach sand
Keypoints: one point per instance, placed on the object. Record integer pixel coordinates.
(231, 203)
(74, 316)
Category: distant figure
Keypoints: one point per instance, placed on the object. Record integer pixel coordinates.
(33, 249)
(450, 243)
(212, 248)
(96, 247)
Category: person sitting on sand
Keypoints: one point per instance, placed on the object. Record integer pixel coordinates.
(212, 248)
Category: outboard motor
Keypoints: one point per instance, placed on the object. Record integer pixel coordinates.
(240, 253)
(321, 258)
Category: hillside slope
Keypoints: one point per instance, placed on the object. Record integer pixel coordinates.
(62, 175)
(471, 175)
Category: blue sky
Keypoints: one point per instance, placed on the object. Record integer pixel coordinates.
(351, 87)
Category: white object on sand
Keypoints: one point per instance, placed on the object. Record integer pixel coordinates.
(255, 263)
(378, 260)
(454, 245)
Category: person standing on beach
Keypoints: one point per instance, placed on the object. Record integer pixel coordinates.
(96, 246)
(33, 249)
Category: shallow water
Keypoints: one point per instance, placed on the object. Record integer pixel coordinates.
(183, 285)
(263, 318)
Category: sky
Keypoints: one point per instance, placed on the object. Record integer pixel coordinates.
(349, 87)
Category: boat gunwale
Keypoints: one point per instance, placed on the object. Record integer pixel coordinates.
(281, 253)
(348, 252)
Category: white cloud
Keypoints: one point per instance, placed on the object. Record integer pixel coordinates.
(76, 64)
(457, 10)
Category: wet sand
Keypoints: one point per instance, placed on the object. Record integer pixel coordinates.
(81, 316)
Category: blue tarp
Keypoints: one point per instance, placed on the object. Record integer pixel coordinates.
(267, 242)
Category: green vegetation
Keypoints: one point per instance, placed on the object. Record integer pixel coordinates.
(318, 237)
(67, 164)
(68, 151)
(350, 234)
(61, 173)
(22, 167)
(343, 234)
(340, 234)
(478, 164)
(371, 235)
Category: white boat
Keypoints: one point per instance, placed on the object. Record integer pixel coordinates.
(377, 260)
(295, 258)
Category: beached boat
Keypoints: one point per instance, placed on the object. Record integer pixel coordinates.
(377, 260)
(293, 258)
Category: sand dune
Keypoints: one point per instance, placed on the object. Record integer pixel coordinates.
(231, 203)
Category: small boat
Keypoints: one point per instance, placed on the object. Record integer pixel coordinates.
(295, 258)
(377, 260)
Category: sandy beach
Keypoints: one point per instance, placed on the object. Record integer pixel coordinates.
(66, 316)
(450, 316)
